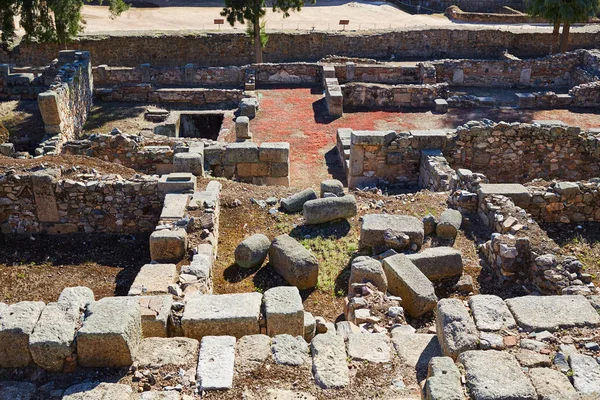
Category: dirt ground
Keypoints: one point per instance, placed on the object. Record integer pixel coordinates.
(24, 123)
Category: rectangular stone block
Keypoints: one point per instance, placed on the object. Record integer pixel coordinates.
(438, 262)
(168, 245)
(241, 152)
(226, 314)
(177, 182)
(174, 206)
(48, 104)
(253, 169)
(16, 326)
(216, 363)
(516, 192)
(153, 279)
(274, 152)
(455, 328)
(156, 313)
(330, 367)
(284, 311)
(242, 128)
(279, 170)
(277, 181)
(110, 334)
(375, 228)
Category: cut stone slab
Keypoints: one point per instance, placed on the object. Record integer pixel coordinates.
(224, 314)
(98, 391)
(290, 350)
(515, 191)
(154, 395)
(438, 263)
(284, 311)
(532, 359)
(174, 206)
(252, 251)
(252, 351)
(298, 266)
(586, 373)
(416, 349)
(159, 352)
(16, 326)
(168, 245)
(443, 380)
(455, 328)
(408, 282)
(155, 312)
(192, 162)
(330, 368)
(274, 152)
(216, 362)
(53, 338)
(153, 279)
(496, 375)
(551, 384)
(551, 313)
(370, 347)
(491, 313)
(295, 203)
(366, 269)
(80, 296)
(10, 390)
(177, 182)
(329, 209)
(374, 226)
(111, 333)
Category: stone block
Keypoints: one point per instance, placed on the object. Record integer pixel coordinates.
(372, 138)
(252, 351)
(174, 206)
(367, 269)
(525, 100)
(177, 182)
(155, 312)
(189, 162)
(330, 367)
(216, 363)
(279, 170)
(586, 373)
(449, 224)
(98, 391)
(162, 352)
(274, 152)
(551, 384)
(16, 326)
(168, 245)
(416, 349)
(369, 347)
(242, 128)
(298, 266)
(375, 228)
(295, 203)
(48, 104)
(443, 380)
(332, 186)
(329, 209)
(110, 334)
(80, 296)
(252, 251)
(248, 107)
(408, 282)
(491, 313)
(441, 106)
(241, 152)
(438, 263)
(226, 314)
(284, 311)
(153, 279)
(455, 329)
(289, 350)
(516, 192)
(253, 169)
(53, 339)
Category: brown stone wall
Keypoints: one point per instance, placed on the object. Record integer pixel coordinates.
(566, 202)
(364, 96)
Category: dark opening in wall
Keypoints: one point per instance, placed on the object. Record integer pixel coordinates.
(203, 126)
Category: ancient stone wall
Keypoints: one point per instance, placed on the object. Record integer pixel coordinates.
(566, 202)
(456, 14)
(147, 93)
(364, 96)
(45, 202)
(20, 85)
(224, 49)
(435, 173)
(483, 6)
(387, 74)
(65, 106)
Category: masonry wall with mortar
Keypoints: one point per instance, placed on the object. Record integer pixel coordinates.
(44, 202)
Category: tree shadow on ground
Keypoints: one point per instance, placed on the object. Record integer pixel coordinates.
(104, 113)
(335, 168)
(26, 129)
(337, 229)
(234, 273)
(267, 278)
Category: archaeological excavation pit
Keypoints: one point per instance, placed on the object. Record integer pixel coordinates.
(200, 125)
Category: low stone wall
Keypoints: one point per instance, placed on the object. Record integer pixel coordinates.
(147, 93)
(566, 202)
(376, 73)
(65, 106)
(45, 202)
(482, 6)
(435, 173)
(362, 96)
(454, 13)
(20, 85)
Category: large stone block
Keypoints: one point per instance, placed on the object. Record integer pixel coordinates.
(242, 128)
(177, 182)
(189, 162)
(376, 229)
(367, 269)
(241, 152)
(319, 211)
(174, 206)
(416, 349)
(443, 380)
(294, 262)
(225, 314)
(153, 279)
(53, 339)
(551, 384)
(370, 347)
(161, 352)
(110, 334)
(455, 329)
(517, 192)
(16, 326)
(438, 263)
(284, 311)
(491, 313)
(274, 152)
(168, 245)
(252, 251)
(295, 203)
(216, 363)
(156, 313)
(98, 391)
(408, 282)
(586, 373)
(80, 296)
(330, 367)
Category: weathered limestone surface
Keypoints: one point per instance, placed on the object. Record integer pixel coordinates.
(168, 245)
(416, 349)
(551, 384)
(455, 328)
(537, 313)
(449, 224)
(53, 337)
(517, 192)
(332, 186)
(16, 326)
(252, 251)
(367, 269)
(251, 351)
(329, 361)
(80, 296)
(328, 209)
(370, 347)
(284, 311)
(295, 203)
(294, 262)
(443, 380)
(160, 352)
(491, 313)
(153, 279)
(155, 312)
(216, 362)
(375, 228)
(438, 262)
(408, 282)
(586, 373)
(110, 334)
(496, 375)
(225, 314)
(289, 350)
(98, 391)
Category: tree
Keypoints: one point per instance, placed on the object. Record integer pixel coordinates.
(563, 12)
(47, 20)
(252, 11)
